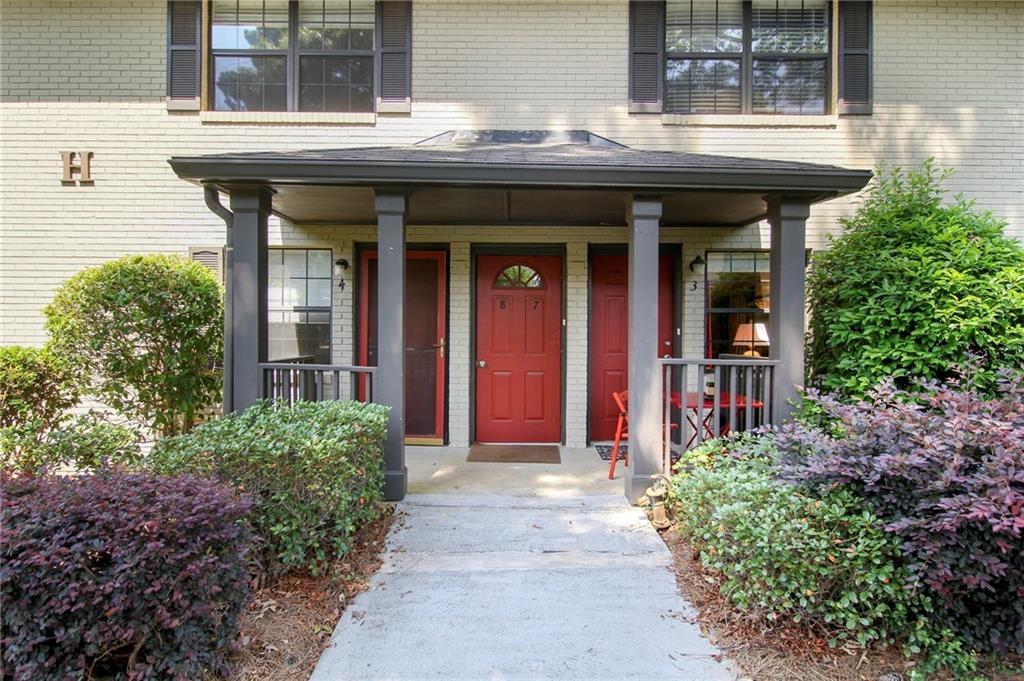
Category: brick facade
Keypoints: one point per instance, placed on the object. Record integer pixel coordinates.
(89, 75)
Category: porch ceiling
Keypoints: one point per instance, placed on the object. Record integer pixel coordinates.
(489, 206)
(518, 177)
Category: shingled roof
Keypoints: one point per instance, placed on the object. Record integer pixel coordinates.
(501, 158)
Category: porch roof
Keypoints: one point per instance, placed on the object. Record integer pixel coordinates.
(519, 177)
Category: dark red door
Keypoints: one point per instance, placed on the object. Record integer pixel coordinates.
(425, 308)
(519, 349)
(609, 322)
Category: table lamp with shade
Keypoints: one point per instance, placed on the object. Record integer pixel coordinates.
(752, 336)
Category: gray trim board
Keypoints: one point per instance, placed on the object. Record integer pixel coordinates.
(817, 184)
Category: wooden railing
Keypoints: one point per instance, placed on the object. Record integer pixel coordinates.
(708, 398)
(294, 381)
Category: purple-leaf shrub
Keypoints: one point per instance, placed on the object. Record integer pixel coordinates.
(944, 469)
(119, 575)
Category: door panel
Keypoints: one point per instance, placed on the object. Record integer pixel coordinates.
(425, 311)
(609, 324)
(519, 343)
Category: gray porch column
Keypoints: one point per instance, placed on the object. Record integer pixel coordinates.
(645, 407)
(245, 305)
(389, 383)
(788, 219)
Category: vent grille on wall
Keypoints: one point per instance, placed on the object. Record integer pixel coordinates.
(210, 256)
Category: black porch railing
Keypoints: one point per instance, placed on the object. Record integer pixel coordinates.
(708, 398)
(292, 381)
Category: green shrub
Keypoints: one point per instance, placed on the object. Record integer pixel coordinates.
(314, 471)
(36, 387)
(85, 442)
(911, 288)
(785, 555)
(145, 331)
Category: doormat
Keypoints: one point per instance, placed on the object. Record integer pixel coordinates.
(514, 454)
(605, 452)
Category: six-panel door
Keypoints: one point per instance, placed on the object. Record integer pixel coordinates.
(609, 323)
(518, 348)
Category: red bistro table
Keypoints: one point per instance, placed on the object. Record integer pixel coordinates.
(709, 411)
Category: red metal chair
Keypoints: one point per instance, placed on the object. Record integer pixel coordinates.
(622, 430)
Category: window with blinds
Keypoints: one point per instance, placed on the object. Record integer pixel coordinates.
(704, 55)
(789, 46)
(746, 56)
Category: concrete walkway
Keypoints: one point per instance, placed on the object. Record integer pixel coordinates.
(508, 587)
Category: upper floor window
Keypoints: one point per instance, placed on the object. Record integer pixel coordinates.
(293, 55)
(747, 56)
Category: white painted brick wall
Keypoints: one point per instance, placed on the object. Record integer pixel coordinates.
(89, 75)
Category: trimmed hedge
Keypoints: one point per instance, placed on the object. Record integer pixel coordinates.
(314, 470)
(120, 575)
(786, 555)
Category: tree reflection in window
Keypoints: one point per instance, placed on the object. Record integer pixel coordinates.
(519, 276)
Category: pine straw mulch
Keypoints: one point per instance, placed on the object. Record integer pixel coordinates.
(288, 624)
(785, 651)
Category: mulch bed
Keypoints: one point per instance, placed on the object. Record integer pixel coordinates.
(786, 651)
(288, 624)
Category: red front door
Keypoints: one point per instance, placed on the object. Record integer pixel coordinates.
(425, 310)
(519, 348)
(609, 323)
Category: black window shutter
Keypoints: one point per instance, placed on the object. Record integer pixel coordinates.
(394, 51)
(183, 29)
(855, 57)
(646, 55)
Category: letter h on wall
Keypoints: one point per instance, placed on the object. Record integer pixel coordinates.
(84, 159)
